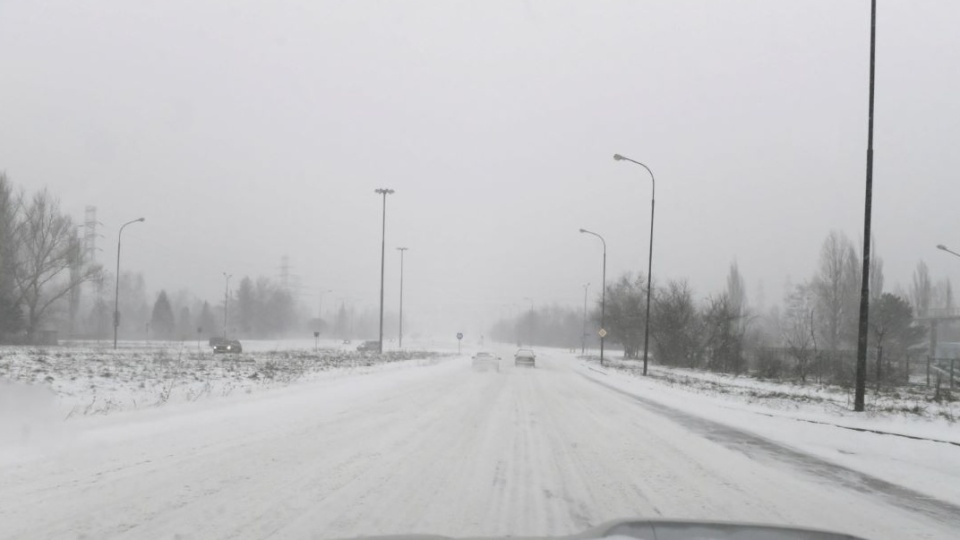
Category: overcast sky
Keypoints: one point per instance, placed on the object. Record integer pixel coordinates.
(246, 131)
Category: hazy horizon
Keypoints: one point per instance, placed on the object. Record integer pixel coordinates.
(245, 132)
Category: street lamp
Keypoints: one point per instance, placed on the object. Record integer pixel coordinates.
(942, 247)
(116, 294)
(401, 250)
(583, 333)
(226, 299)
(383, 254)
(653, 193)
(603, 293)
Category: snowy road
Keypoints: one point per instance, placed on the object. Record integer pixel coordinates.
(435, 449)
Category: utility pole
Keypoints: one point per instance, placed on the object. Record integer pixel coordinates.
(401, 250)
(383, 254)
(861, 378)
(226, 300)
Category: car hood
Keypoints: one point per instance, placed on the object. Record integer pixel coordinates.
(670, 530)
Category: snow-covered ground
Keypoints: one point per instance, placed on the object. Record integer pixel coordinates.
(89, 378)
(911, 450)
(434, 447)
(899, 408)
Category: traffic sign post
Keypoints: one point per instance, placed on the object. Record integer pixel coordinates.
(459, 338)
(602, 332)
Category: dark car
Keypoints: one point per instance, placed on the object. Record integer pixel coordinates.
(484, 361)
(226, 346)
(525, 357)
(369, 346)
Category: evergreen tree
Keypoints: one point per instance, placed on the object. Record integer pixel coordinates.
(162, 321)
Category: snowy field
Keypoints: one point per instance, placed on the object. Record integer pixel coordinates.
(350, 447)
(90, 378)
(905, 410)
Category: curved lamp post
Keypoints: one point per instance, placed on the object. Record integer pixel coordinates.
(653, 193)
(116, 294)
(603, 292)
(383, 255)
(942, 247)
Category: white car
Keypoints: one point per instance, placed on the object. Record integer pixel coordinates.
(525, 357)
(484, 361)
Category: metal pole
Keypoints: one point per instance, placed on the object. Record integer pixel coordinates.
(583, 333)
(400, 340)
(383, 254)
(861, 377)
(646, 330)
(653, 197)
(603, 300)
(603, 293)
(945, 248)
(116, 294)
(226, 299)
(383, 247)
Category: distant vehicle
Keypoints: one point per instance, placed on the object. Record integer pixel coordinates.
(525, 357)
(226, 346)
(484, 361)
(347, 342)
(369, 346)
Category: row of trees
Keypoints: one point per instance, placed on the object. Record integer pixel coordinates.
(813, 334)
(49, 282)
(257, 309)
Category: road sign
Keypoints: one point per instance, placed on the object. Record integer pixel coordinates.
(459, 335)
(602, 332)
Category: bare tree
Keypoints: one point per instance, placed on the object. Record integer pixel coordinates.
(942, 296)
(797, 327)
(921, 290)
(850, 313)
(625, 314)
(891, 320)
(876, 272)
(832, 284)
(737, 293)
(10, 318)
(676, 326)
(48, 246)
(724, 337)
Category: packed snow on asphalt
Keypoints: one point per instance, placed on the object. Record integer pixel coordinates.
(434, 447)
